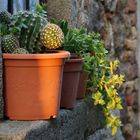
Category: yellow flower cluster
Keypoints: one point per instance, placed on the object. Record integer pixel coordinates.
(107, 94)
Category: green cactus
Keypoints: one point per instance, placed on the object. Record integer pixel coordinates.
(20, 51)
(5, 17)
(29, 25)
(9, 43)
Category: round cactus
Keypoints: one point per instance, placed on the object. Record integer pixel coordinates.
(5, 17)
(20, 51)
(9, 43)
(51, 36)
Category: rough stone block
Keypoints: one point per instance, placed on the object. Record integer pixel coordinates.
(128, 56)
(105, 134)
(128, 130)
(132, 71)
(133, 19)
(130, 44)
(59, 9)
(110, 5)
(129, 87)
(134, 32)
(74, 124)
(131, 6)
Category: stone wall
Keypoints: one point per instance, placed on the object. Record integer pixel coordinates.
(116, 21)
(138, 51)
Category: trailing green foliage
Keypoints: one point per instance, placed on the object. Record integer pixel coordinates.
(103, 82)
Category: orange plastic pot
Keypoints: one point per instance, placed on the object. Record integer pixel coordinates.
(32, 85)
(82, 85)
(72, 70)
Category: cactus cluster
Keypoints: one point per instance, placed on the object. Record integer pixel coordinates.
(26, 32)
(52, 36)
(29, 25)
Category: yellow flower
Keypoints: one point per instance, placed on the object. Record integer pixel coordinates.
(113, 122)
(115, 64)
(98, 99)
(111, 104)
(114, 130)
(102, 80)
(102, 61)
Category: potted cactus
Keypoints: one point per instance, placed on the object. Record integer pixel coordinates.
(32, 74)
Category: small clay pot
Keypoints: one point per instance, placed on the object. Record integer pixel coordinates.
(32, 85)
(82, 85)
(72, 70)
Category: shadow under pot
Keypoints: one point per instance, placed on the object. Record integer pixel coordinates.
(72, 70)
(82, 85)
(32, 85)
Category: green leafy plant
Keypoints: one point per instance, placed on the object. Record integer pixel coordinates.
(41, 10)
(103, 82)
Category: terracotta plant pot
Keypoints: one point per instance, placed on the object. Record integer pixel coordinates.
(72, 70)
(82, 85)
(32, 85)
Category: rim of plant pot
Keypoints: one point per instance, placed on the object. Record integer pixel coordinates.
(73, 65)
(56, 54)
(71, 60)
(74, 55)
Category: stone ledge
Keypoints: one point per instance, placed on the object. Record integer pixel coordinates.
(74, 124)
(105, 134)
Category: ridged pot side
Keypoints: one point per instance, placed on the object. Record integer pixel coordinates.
(32, 85)
(82, 85)
(72, 69)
